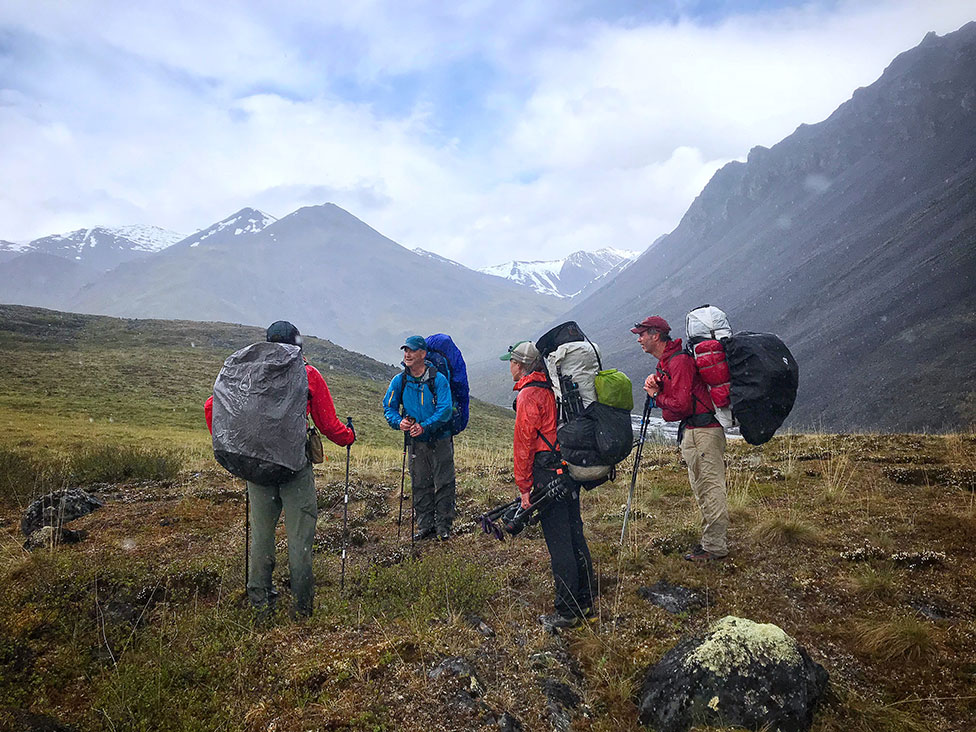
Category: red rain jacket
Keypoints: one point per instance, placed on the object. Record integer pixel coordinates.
(683, 393)
(320, 406)
(535, 411)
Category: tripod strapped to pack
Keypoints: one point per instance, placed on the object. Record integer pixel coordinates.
(512, 518)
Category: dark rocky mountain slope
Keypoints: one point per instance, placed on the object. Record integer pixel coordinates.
(854, 239)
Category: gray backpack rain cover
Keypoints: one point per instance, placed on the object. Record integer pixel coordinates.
(259, 406)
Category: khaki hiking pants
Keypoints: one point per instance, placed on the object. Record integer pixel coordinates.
(703, 448)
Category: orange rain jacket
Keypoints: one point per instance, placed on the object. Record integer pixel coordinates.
(535, 411)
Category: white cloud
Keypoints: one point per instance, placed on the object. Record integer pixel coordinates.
(474, 130)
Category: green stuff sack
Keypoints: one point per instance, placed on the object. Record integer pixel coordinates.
(614, 389)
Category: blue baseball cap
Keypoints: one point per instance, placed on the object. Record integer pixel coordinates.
(414, 343)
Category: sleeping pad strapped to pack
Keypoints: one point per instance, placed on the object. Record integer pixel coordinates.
(260, 400)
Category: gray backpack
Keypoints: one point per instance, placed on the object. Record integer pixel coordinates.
(259, 406)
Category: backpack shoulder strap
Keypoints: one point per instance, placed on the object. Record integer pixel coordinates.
(539, 432)
(599, 363)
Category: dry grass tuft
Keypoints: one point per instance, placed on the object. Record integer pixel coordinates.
(901, 637)
(874, 582)
(784, 530)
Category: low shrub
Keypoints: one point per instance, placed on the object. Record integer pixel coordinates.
(24, 476)
(431, 587)
(118, 463)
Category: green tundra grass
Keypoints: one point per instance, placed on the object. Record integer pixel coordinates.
(850, 543)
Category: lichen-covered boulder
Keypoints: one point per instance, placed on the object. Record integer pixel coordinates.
(739, 674)
(58, 508)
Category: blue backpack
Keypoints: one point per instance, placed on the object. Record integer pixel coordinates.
(446, 356)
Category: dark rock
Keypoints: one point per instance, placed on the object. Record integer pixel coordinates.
(739, 674)
(507, 723)
(20, 720)
(48, 537)
(461, 669)
(561, 700)
(929, 610)
(673, 598)
(58, 508)
(560, 694)
(480, 625)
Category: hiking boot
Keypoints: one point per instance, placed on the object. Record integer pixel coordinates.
(555, 620)
(700, 554)
(425, 534)
(443, 535)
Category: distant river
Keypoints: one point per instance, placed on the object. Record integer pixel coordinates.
(658, 429)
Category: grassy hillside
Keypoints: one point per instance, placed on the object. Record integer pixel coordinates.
(858, 546)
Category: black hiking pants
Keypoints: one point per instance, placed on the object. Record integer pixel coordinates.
(572, 568)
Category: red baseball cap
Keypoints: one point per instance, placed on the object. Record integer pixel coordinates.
(655, 322)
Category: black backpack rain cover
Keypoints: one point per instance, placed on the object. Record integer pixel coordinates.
(599, 435)
(259, 407)
(764, 381)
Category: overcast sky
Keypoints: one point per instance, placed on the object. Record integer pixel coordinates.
(483, 131)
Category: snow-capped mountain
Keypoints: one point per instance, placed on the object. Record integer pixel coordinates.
(563, 277)
(245, 221)
(437, 257)
(100, 247)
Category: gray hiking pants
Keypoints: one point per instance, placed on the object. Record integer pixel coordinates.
(298, 499)
(433, 483)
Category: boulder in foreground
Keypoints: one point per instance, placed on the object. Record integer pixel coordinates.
(740, 674)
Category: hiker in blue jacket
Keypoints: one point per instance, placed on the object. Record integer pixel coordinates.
(418, 403)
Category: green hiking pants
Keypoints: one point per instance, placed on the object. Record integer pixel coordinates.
(298, 499)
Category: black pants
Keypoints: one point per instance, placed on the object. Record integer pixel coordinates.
(572, 568)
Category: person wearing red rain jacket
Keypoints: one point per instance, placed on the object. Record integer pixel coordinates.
(677, 388)
(562, 525)
(297, 497)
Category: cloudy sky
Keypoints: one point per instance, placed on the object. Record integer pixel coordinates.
(481, 130)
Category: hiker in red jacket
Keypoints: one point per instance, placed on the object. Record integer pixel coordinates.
(535, 463)
(297, 497)
(678, 389)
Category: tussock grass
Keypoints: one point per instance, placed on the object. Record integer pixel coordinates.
(784, 530)
(876, 582)
(902, 637)
(838, 474)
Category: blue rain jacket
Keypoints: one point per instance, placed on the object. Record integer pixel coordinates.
(418, 402)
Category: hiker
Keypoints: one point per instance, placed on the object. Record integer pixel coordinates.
(418, 403)
(535, 466)
(296, 496)
(677, 388)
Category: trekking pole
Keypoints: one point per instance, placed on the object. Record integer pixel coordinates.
(247, 534)
(637, 457)
(413, 504)
(345, 514)
(403, 473)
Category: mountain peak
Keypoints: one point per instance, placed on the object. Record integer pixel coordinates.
(246, 221)
(562, 277)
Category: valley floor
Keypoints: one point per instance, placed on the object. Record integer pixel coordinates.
(860, 547)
